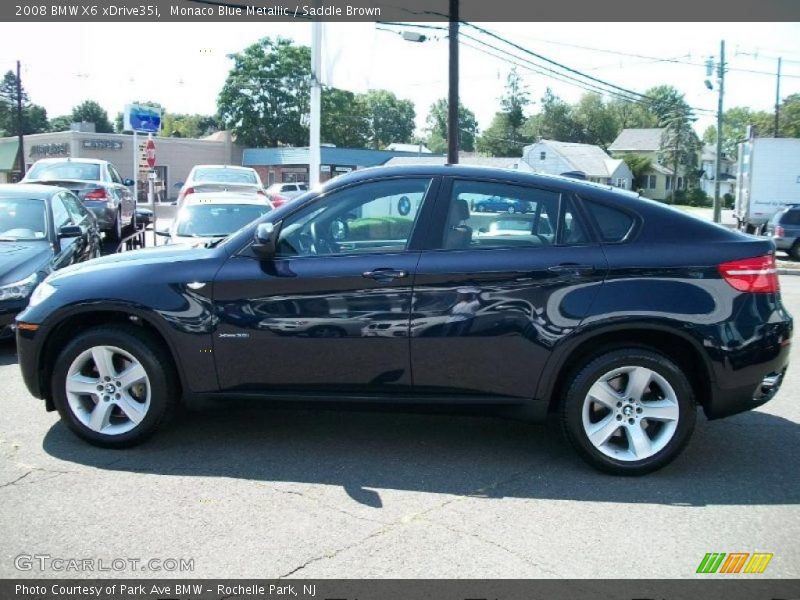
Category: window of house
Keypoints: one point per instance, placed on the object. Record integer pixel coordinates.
(668, 185)
(542, 155)
(650, 182)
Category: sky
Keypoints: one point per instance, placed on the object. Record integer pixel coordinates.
(183, 65)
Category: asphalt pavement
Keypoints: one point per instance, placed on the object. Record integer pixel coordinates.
(248, 490)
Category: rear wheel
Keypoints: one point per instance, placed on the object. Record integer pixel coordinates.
(113, 387)
(794, 251)
(115, 233)
(629, 412)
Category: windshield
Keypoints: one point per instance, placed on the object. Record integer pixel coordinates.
(214, 220)
(65, 170)
(22, 219)
(225, 176)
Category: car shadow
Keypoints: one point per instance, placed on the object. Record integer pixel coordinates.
(742, 460)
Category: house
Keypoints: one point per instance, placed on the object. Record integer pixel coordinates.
(656, 182)
(727, 179)
(290, 163)
(557, 158)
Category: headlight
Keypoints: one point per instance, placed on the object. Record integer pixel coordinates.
(42, 292)
(19, 289)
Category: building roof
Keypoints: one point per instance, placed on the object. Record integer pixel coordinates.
(641, 140)
(464, 159)
(587, 158)
(291, 155)
(8, 154)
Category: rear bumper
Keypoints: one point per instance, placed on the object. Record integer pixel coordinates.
(784, 243)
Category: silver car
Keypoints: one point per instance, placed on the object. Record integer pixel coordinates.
(97, 183)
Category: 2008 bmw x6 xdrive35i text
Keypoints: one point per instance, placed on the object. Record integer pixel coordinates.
(620, 314)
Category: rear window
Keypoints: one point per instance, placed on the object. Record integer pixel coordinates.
(791, 217)
(224, 176)
(215, 220)
(614, 224)
(65, 170)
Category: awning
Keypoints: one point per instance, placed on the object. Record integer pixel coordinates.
(8, 155)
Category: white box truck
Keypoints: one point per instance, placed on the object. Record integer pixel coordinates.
(767, 179)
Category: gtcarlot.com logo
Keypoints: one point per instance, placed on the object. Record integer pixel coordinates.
(46, 562)
(734, 562)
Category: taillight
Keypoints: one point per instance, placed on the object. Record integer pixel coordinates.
(98, 194)
(184, 193)
(278, 200)
(778, 231)
(756, 274)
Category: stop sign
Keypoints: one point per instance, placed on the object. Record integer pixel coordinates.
(150, 152)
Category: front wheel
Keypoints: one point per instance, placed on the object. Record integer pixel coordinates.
(629, 412)
(113, 387)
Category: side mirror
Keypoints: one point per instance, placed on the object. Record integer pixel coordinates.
(163, 232)
(266, 240)
(127, 182)
(68, 231)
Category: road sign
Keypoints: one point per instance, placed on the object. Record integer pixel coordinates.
(138, 117)
(150, 152)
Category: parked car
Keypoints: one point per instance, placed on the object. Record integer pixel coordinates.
(280, 193)
(211, 216)
(784, 229)
(221, 178)
(97, 183)
(623, 320)
(497, 204)
(42, 228)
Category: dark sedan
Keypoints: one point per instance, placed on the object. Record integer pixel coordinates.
(620, 314)
(496, 204)
(42, 228)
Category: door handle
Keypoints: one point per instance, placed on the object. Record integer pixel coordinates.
(385, 274)
(571, 268)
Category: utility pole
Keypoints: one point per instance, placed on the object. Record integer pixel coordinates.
(452, 96)
(778, 100)
(314, 149)
(718, 159)
(21, 155)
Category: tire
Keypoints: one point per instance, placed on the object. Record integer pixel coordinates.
(115, 233)
(511, 210)
(479, 208)
(131, 411)
(794, 251)
(656, 441)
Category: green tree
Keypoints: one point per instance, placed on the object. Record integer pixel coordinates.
(187, 126)
(596, 120)
(436, 124)
(789, 117)
(391, 119)
(90, 111)
(632, 115)
(345, 119)
(555, 121)
(498, 140)
(34, 117)
(734, 128)
(680, 145)
(514, 101)
(61, 123)
(264, 100)
(639, 165)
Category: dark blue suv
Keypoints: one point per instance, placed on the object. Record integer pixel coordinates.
(620, 314)
(784, 229)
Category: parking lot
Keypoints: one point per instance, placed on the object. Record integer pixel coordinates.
(248, 490)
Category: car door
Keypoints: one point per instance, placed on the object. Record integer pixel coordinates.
(300, 321)
(67, 250)
(490, 301)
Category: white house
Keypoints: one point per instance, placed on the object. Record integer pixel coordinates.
(727, 179)
(557, 158)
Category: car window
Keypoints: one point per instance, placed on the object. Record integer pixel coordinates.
(61, 215)
(484, 214)
(571, 230)
(791, 217)
(115, 176)
(289, 187)
(64, 170)
(224, 175)
(22, 219)
(216, 220)
(613, 224)
(76, 210)
(371, 217)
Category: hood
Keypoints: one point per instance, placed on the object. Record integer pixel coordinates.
(164, 256)
(20, 259)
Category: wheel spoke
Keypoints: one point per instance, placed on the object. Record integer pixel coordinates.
(640, 444)
(82, 385)
(604, 394)
(603, 430)
(638, 381)
(102, 357)
(132, 409)
(100, 415)
(133, 374)
(661, 410)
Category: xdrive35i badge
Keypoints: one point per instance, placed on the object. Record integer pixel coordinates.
(234, 335)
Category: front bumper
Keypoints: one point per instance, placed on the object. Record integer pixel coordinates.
(8, 311)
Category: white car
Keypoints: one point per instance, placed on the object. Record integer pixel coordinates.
(221, 178)
(210, 216)
(280, 193)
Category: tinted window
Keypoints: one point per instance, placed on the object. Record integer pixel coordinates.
(65, 170)
(115, 176)
(372, 217)
(214, 220)
(75, 209)
(614, 224)
(791, 217)
(22, 218)
(224, 175)
(60, 213)
(571, 230)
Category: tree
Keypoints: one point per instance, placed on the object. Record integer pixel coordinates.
(436, 124)
(264, 100)
(555, 121)
(734, 128)
(497, 140)
(90, 111)
(639, 165)
(789, 117)
(514, 101)
(61, 123)
(596, 120)
(680, 145)
(391, 119)
(188, 126)
(345, 119)
(34, 117)
(632, 115)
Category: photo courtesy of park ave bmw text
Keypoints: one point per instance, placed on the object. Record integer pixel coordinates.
(374, 300)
